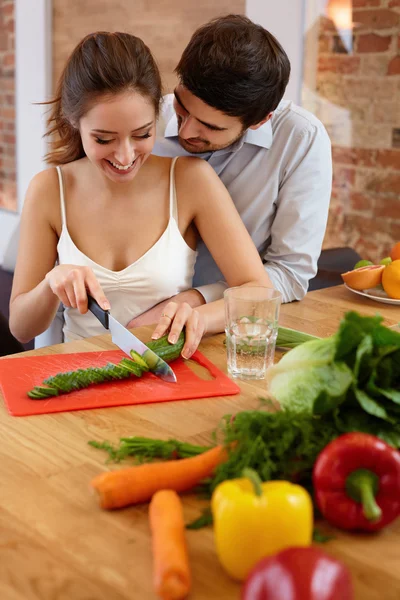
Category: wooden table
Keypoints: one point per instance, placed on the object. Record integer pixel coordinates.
(56, 543)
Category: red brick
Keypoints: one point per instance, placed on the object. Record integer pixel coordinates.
(8, 9)
(385, 183)
(361, 202)
(398, 42)
(394, 66)
(382, 18)
(10, 126)
(343, 177)
(8, 84)
(365, 3)
(339, 64)
(8, 113)
(10, 99)
(9, 139)
(388, 159)
(387, 207)
(395, 231)
(9, 59)
(353, 156)
(393, 3)
(9, 26)
(10, 150)
(373, 43)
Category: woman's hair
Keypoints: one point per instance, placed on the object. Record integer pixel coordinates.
(102, 64)
(235, 66)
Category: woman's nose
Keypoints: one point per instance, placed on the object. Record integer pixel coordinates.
(125, 153)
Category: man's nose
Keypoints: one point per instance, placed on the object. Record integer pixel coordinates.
(188, 128)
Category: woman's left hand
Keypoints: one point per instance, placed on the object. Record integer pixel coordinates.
(177, 316)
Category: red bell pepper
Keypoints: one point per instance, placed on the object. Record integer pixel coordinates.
(299, 574)
(357, 482)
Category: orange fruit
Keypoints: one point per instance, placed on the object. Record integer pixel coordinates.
(391, 279)
(364, 277)
(395, 252)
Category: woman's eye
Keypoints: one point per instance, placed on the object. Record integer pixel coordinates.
(143, 137)
(100, 141)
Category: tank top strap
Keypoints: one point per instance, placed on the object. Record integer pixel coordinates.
(62, 200)
(173, 206)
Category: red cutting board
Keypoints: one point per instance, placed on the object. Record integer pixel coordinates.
(19, 375)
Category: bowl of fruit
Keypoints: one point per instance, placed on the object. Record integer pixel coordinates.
(379, 282)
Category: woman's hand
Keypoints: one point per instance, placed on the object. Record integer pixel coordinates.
(71, 284)
(177, 316)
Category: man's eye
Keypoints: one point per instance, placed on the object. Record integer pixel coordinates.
(100, 141)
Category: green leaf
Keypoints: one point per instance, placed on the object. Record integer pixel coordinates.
(363, 357)
(370, 405)
(352, 329)
(321, 538)
(204, 520)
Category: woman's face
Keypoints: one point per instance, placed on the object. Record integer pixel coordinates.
(118, 134)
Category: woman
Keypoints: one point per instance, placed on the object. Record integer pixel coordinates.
(121, 223)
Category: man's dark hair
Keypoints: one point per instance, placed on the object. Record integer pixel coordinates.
(235, 66)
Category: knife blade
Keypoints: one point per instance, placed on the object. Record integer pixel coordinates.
(124, 339)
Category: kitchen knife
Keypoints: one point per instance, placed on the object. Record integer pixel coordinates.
(124, 339)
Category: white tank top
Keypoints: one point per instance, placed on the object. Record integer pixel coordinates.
(166, 269)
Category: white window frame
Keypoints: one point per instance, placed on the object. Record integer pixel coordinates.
(33, 83)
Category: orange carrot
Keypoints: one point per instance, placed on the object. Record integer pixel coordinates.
(172, 578)
(134, 485)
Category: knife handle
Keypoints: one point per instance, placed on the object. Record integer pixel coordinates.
(99, 313)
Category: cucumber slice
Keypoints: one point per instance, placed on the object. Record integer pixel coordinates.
(139, 360)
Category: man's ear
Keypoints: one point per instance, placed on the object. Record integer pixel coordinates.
(267, 118)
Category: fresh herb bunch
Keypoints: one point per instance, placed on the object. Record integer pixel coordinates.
(278, 445)
(144, 449)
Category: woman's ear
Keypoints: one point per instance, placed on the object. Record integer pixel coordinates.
(267, 118)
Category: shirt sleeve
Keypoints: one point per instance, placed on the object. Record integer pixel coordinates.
(301, 215)
(212, 291)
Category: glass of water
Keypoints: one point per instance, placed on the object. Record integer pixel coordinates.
(251, 327)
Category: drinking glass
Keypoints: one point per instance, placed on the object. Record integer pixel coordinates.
(251, 327)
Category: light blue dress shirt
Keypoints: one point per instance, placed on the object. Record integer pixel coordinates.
(279, 177)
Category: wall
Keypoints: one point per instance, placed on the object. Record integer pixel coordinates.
(164, 26)
(356, 93)
(8, 193)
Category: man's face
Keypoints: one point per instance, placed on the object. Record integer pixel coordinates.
(202, 128)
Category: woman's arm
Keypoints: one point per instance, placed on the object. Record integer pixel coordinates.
(33, 305)
(201, 191)
(38, 286)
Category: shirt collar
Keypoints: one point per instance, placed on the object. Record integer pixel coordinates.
(257, 137)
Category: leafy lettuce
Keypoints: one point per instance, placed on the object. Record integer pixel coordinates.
(353, 375)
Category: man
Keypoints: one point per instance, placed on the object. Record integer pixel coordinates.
(273, 156)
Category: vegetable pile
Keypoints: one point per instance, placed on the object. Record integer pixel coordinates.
(352, 376)
(334, 393)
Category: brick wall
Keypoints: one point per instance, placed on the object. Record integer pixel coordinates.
(164, 26)
(356, 94)
(8, 194)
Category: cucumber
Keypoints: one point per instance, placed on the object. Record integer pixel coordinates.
(165, 350)
(62, 383)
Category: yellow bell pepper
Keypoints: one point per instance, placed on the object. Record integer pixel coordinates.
(254, 519)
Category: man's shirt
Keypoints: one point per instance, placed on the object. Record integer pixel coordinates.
(279, 177)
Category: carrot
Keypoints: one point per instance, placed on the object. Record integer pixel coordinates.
(172, 578)
(137, 484)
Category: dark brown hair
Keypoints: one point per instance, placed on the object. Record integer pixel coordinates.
(235, 66)
(102, 64)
